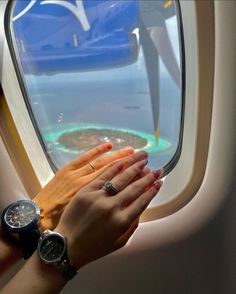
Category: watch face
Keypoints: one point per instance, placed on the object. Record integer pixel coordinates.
(20, 214)
(52, 248)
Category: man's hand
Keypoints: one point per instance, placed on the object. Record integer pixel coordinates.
(53, 198)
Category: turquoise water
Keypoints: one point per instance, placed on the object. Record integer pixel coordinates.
(66, 102)
(52, 136)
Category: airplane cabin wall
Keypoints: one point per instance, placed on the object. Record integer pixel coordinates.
(204, 260)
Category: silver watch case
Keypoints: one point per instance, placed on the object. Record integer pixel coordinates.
(61, 260)
(46, 235)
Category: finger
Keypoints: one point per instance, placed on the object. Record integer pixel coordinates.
(107, 175)
(94, 175)
(143, 173)
(86, 170)
(101, 163)
(138, 156)
(128, 161)
(119, 154)
(123, 179)
(146, 170)
(136, 208)
(88, 176)
(91, 155)
(130, 193)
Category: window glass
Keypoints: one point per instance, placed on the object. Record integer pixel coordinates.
(97, 71)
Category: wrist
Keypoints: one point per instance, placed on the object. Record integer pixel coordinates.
(43, 221)
(75, 255)
(49, 214)
(48, 273)
(19, 221)
(52, 250)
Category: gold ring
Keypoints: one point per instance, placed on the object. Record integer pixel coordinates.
(92, 167)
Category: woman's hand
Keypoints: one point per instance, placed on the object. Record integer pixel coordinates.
(53, 198)
(96, 223)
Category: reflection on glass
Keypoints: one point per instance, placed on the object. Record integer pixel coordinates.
(98, 71)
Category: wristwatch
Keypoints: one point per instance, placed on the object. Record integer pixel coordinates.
(20, 221)
(52, 250)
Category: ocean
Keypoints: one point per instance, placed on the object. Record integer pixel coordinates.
(117, 98)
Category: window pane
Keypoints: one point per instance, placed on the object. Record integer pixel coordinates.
(98, 71)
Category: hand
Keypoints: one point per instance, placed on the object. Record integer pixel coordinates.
(53, 198)
(96, 223)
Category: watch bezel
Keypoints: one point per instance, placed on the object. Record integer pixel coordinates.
(46, 236)
(31, 225)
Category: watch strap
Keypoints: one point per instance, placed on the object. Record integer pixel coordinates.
(24, 237)
(68, 271)
(29, 242)
(64, 266)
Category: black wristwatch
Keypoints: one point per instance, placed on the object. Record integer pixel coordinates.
(20, 221)
(52, 250)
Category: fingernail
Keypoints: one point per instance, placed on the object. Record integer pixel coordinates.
(142, 153)
(146, 162)
(158, 185)
(157, 173)
(109, 145)
(141, 164)
(162, 170)
(129, 149)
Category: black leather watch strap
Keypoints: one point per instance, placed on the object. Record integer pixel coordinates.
(68, 271)
(52, 250)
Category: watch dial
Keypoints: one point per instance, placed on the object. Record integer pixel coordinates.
(20, 215)
(52, 248)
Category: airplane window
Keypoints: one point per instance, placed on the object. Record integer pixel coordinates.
(96, 71)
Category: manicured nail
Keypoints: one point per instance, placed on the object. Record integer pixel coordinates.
(129, 149)
(142, 154)
(109, 145)
(158, 185)
(146, 170)
(141, 164)
(157, 173)
(162, 170)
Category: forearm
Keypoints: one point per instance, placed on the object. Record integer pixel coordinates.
(42, 279)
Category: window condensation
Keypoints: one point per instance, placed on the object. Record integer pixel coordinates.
(97, 71)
